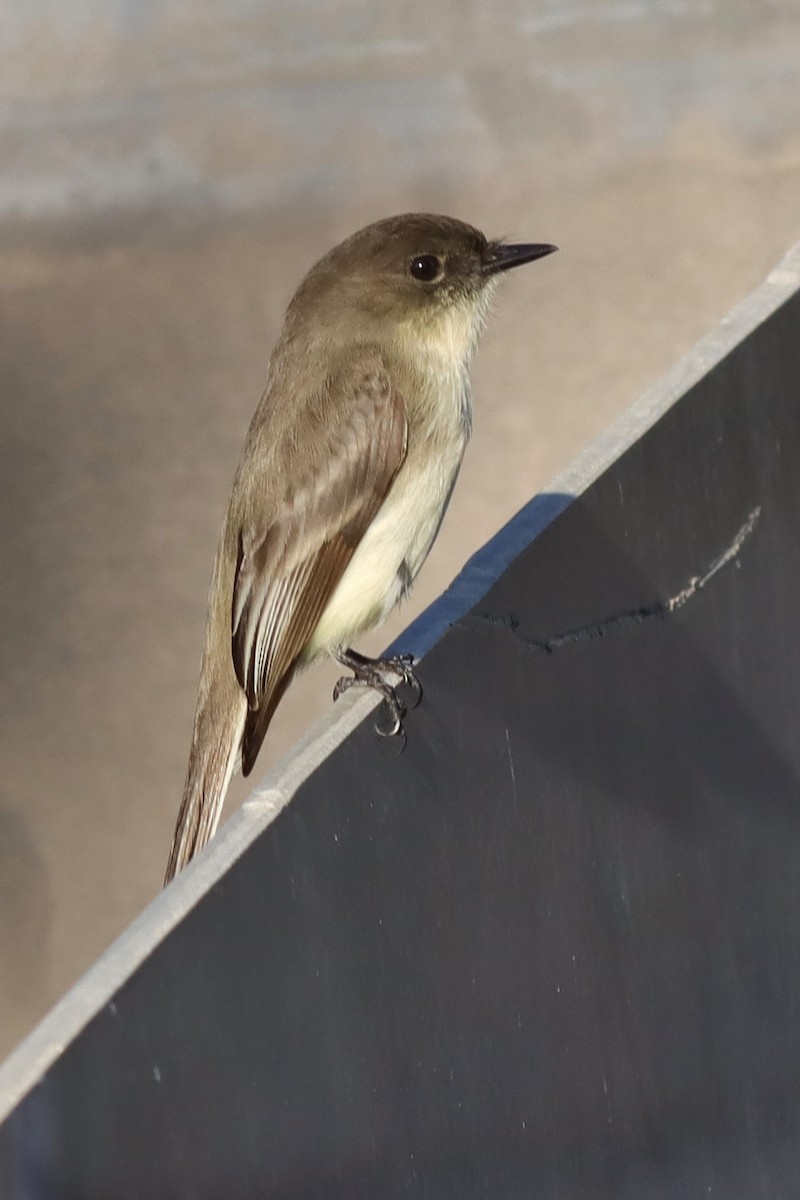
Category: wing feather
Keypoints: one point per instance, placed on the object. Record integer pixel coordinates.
(288, 569)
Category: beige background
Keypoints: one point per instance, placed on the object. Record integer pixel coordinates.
(167, 174)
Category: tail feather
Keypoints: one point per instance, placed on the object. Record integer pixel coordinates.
(211, 765)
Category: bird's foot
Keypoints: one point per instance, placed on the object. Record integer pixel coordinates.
(371, 672)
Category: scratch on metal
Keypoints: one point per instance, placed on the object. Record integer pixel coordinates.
(633, 616)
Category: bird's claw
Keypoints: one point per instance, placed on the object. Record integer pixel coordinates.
(402, 665)
(370, 673)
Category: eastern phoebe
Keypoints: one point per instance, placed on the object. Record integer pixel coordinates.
(347, 470)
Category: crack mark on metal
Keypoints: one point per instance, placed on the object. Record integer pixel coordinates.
(659, 609)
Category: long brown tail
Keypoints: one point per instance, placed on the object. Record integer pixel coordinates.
(215, 750)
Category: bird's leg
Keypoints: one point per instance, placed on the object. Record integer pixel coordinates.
(370, 672)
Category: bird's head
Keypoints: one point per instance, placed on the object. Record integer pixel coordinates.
(419, 278)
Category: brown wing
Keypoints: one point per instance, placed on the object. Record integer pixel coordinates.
(353, 444)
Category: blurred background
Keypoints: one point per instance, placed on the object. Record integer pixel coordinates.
(168, 172)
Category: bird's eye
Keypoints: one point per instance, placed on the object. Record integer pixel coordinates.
(425, 267)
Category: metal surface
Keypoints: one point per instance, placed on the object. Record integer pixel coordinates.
(549, 950)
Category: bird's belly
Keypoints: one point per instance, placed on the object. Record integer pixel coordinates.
(391, 552)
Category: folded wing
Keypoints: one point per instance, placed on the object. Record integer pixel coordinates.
(338, 473)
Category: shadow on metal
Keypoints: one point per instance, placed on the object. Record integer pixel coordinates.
(551, 950)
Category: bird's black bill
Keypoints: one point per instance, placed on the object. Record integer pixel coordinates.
(500, 257)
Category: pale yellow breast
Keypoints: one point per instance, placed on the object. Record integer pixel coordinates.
(397, 542)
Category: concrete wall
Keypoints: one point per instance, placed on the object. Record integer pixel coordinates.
(233, 105)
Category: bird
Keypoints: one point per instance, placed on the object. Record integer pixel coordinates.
(347, 470)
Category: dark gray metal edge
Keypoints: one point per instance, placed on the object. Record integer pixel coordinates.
(93, 991)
